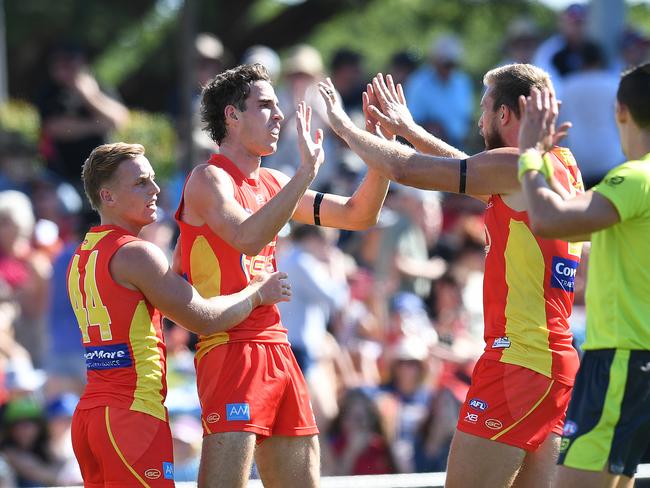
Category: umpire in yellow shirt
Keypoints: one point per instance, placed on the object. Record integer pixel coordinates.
(608, 422)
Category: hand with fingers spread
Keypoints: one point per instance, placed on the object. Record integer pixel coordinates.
(368, 99)
(311, 150)
(271, 288)
(390, 110)
(538, 116)
(337, 116)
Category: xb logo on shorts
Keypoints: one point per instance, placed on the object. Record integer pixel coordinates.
(471, 417)
(478, 404)
(237, 411)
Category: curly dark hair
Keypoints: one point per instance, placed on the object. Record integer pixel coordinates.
(231, 87)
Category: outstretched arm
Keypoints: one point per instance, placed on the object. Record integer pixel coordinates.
(143, 266)
(490, 172)
(550, 214)
(358, 212)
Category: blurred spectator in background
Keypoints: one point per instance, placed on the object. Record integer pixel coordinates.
(211, 60)
(403, 255)
(25, 445)
(405, 397)
(26, 270)
(7, 478)
(59, 413)
(356, 441)
(439, 94)
(402, 64)
(18, 162)
(589, 97)
(634, 50)
(265, 56)
(76, 114)
(320, 289)
(560, 54)
(347, 74)
(302, 70)
(186, 436)
(521, 41)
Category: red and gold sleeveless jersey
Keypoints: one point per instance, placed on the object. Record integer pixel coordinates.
(120, 330)
(214, 267)
(528, 286)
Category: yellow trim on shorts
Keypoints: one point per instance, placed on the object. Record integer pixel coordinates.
(548, 390)
(119, 453)
(205, 425)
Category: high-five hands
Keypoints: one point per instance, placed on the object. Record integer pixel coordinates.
(388, 108)
(311, 150)
(539, 113)
(337, 116)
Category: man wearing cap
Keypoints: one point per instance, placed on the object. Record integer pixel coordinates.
(440, 94)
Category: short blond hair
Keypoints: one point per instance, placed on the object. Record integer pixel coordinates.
(512, 80)
(102, 164)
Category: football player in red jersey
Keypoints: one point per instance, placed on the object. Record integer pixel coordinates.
(249, 382)
(509, 427)
(118, 286)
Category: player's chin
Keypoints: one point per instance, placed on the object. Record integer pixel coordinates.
(269, 149)
(151, 215)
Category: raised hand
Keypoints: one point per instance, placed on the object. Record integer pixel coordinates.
(372, 124)
(311, 150)
(538, 117)
(337, 116)
(390, 109)
(272, 288)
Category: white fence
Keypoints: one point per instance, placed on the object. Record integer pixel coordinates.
(412, 480)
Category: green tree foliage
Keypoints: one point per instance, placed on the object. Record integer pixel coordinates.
(18, 116)
(156, 133)
(386, 26)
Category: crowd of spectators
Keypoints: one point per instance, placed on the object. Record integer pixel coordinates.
(386, 324)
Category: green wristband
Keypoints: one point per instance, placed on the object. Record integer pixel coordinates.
(533, 161)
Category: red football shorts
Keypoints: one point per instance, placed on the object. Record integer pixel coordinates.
(254, 387)
(116, 447)
(513, 405)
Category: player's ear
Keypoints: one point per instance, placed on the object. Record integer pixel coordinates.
(504, 114)
(106, 197)
(231, 112)
(622, 113)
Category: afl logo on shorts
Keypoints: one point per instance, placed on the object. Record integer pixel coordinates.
(152, 474)
(493, 424)
(478, 404)
(213, 418)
